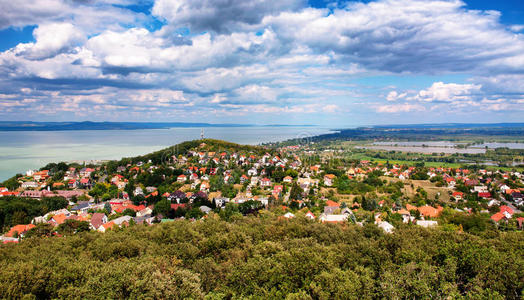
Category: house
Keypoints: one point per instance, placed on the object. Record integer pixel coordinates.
(263, 200)
(252, 172)
(503, 188)
(181, 178)
(19, 230)
(429, 211)
(505, 214)
(82, 206)
(42, 175)
(310, 215)
(144, 212)
(328, 179)
(221, 201)
(289, 215)
(29, 185)
(265, 182)
(480, 189)
(387, 227)
(493, 202)
(122, 220)
(106, 226)
(85, 183)
(288, 179)
(32, 194)
(498, 217)
(177, 196)
(72, 184)
(150, 189)
(425, 223)
(97, 220)
(484, 195)
(57, 219)
(329, 218)
(243, 178)
(458, 195)
(406, 215)
(204, 186)
(58, 185)
(138, 191)
(331, 206)
(517, 197)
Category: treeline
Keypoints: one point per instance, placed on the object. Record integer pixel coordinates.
(418, 134)
(267, 258)
(15, 210)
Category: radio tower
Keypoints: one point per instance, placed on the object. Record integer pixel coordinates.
(202, 134)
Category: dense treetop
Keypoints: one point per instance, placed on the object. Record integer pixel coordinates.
(265, 257)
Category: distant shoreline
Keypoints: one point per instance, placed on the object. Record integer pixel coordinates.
(72, 126)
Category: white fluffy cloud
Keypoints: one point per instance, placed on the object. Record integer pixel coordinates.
(53, 39)
(261, 56)
(448, 92)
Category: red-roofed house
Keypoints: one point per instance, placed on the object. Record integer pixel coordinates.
(19, 230)
(458, 195)
(328, 179)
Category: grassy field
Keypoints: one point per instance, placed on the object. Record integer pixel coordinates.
(427, 185)
(435, 164)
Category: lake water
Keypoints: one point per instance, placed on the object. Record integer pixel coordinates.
(24, 150)
(427, 150)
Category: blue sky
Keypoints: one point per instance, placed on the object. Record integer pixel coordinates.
(286, 62)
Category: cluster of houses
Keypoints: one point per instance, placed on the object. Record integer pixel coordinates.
(199, 166)
(95, 214)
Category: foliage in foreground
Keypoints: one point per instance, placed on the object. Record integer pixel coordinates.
(266, 258)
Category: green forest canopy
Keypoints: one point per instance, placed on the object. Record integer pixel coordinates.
(265, 257)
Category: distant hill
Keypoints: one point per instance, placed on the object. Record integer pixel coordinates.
(59, 126)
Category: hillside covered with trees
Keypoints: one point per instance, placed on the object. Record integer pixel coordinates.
(265, 257)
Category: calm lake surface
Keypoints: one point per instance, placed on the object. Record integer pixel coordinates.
(24, 150)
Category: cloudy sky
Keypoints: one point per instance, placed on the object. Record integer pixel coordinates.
(262, 61)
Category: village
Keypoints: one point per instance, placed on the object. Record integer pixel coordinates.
(215, 179)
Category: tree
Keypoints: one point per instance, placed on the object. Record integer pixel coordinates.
(129, 212)
(72, 226)
(296, 192)
(40, 230)
(162, 207)
(107, 208)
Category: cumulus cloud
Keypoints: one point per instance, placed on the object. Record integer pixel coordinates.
(441, 91)
(93, 16)
(53, 39)
(404, 35)
(260, 56)
(220, 15)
